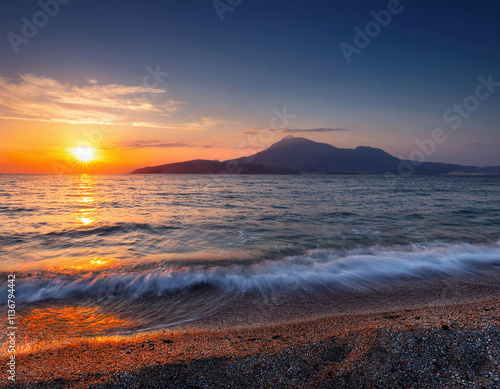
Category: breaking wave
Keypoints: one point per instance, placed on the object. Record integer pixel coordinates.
(356, 270)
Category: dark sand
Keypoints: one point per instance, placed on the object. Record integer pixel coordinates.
(446, 338)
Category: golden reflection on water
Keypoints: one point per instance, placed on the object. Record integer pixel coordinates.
(71, 321)
(85, 220)
(85, 215)
(85, 265)
(51, 326)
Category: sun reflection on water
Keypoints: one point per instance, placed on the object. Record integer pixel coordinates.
(85, 215)
(53, 326)
(84, 267)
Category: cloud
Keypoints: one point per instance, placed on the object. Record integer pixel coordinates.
(172, 105)
(46, 99)
(295, 130)
(485, 146)
(202, 124)
(139, 144)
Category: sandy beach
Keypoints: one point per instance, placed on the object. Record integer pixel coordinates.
(435, 345)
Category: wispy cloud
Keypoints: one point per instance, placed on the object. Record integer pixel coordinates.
(485, 145)
(295, 130)
(46, 99)
(202, 123)
(172, 105)
(139, 144)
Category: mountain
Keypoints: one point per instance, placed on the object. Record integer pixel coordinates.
(293, 155)
(308, 156)
(203, 166)
(312, 157)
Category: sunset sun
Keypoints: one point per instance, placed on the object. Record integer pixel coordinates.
(84, 154)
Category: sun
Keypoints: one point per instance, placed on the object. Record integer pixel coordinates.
(84, 154)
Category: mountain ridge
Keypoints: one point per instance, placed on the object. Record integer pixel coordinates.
(204, 166)
(293, 155)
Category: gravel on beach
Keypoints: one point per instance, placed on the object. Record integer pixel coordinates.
(447, 346)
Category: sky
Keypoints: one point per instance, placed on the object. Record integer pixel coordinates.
(143, 83)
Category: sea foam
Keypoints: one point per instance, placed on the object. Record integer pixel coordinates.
(354, 270)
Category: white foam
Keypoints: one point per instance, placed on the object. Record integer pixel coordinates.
(354, 270)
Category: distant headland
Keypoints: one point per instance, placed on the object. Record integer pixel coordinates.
(295, 155)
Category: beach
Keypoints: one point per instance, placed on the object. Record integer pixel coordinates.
(453, 346)
(436, 342)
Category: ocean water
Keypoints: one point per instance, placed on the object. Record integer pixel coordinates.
(122, 253)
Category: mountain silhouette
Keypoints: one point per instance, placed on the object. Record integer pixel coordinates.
(292, 155)
(203, 166)
(313, 157)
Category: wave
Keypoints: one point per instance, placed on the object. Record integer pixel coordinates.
(117, 228)
(6, 209)
(355, 270)
(82, 232)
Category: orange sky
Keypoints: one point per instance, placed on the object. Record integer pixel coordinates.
(166, 82)
(39, 147)
(42, 120)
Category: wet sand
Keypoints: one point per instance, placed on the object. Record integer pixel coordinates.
(416, 341)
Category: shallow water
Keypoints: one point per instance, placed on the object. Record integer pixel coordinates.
(100, 254)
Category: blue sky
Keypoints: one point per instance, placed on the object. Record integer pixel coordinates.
(267, 55)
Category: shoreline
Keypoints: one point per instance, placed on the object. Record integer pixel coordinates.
(447, 345)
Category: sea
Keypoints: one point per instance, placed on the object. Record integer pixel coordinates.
(97, 255)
